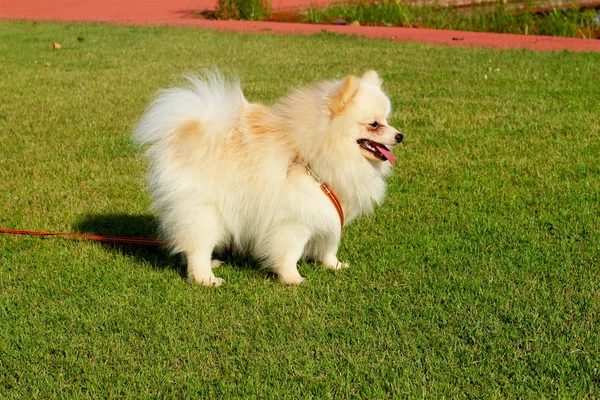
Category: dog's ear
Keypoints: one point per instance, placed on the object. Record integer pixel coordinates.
(372, 78)
(340, 98)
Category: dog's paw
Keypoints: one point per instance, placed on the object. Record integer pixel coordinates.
(216, 263)
(337, 265)
(291, 280)
(341, 265)
(211, 281)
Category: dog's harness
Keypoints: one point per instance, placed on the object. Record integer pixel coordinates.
(324, 187)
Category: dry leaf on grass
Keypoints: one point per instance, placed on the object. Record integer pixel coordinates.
(56, 46)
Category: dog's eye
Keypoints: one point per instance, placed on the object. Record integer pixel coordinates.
(374, 124)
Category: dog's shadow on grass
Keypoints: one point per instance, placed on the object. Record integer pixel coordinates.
(142, 226)
(128, 225)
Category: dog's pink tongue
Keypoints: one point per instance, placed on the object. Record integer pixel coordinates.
(386, 152)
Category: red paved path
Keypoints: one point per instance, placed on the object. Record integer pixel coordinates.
(177, 12)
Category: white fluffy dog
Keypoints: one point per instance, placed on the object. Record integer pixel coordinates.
(226, 173)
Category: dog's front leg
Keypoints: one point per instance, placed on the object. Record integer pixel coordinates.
(284, 247)
(328, 252)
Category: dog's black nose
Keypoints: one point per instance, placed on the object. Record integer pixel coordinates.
(399, 137)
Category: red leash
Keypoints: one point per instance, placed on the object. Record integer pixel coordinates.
(157, 242)
(98, 238)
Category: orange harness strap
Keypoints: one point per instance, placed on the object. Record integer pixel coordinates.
(325, 187)
(334, 199)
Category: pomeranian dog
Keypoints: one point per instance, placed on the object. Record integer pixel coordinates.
(277, 183)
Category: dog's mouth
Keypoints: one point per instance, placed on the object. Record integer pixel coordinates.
(377, 150)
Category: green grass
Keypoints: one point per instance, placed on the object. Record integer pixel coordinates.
(501, 18)
(253, 10)
(478, 278)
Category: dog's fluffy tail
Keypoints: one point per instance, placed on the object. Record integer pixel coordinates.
(210, 101)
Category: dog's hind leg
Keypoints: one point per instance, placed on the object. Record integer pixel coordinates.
(283, 248)
(206, 234)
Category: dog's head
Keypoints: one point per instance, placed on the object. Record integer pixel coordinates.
(363, 109)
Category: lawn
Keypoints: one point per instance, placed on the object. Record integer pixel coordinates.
(478, 278)
(499, 17)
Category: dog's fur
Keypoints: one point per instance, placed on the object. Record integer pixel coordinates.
(223, 173)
